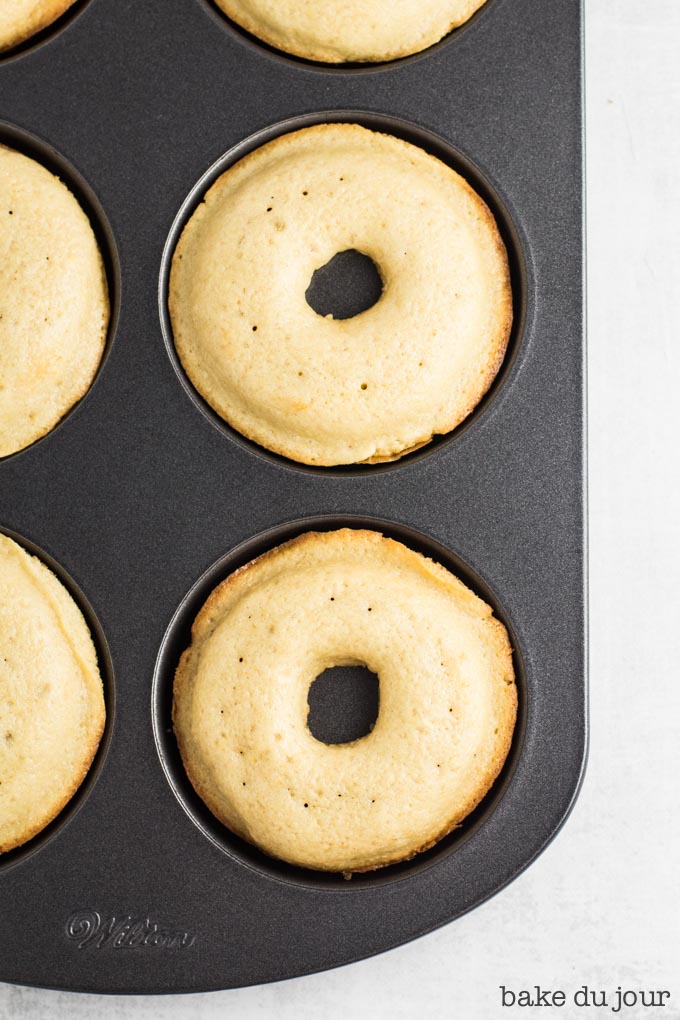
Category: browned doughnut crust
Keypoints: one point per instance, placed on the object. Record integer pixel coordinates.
(325, 44)
(33, 19)
(51, 703)
(425, 354)
(195, 711)
(54, 295)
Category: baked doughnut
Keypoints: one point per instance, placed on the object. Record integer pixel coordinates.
(20, 19)
(54, 300)
(365, 389)
(353, 30)
(51, 699)
(447, 701)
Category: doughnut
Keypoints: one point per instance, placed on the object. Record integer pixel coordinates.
(54, 300)
(51, 698)
(21, 19)
(324, 391)
(352, 30)
(447, 696)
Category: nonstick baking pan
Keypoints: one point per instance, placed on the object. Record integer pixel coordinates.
(142, 500)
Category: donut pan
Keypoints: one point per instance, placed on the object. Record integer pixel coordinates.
(141, 500)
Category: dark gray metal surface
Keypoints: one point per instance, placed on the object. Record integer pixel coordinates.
(136, 494)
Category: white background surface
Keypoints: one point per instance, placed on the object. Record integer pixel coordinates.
(602, 905)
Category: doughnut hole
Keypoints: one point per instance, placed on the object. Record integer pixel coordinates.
(347, 285)
(344, 702)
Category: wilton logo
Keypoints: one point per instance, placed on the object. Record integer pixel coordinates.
(86, 928)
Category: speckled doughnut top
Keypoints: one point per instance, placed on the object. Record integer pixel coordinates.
(54, 300)
(51, 698)
(336, 31)
(447, 701)
(323, 391)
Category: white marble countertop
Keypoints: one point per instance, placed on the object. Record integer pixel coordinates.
(602, 905)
